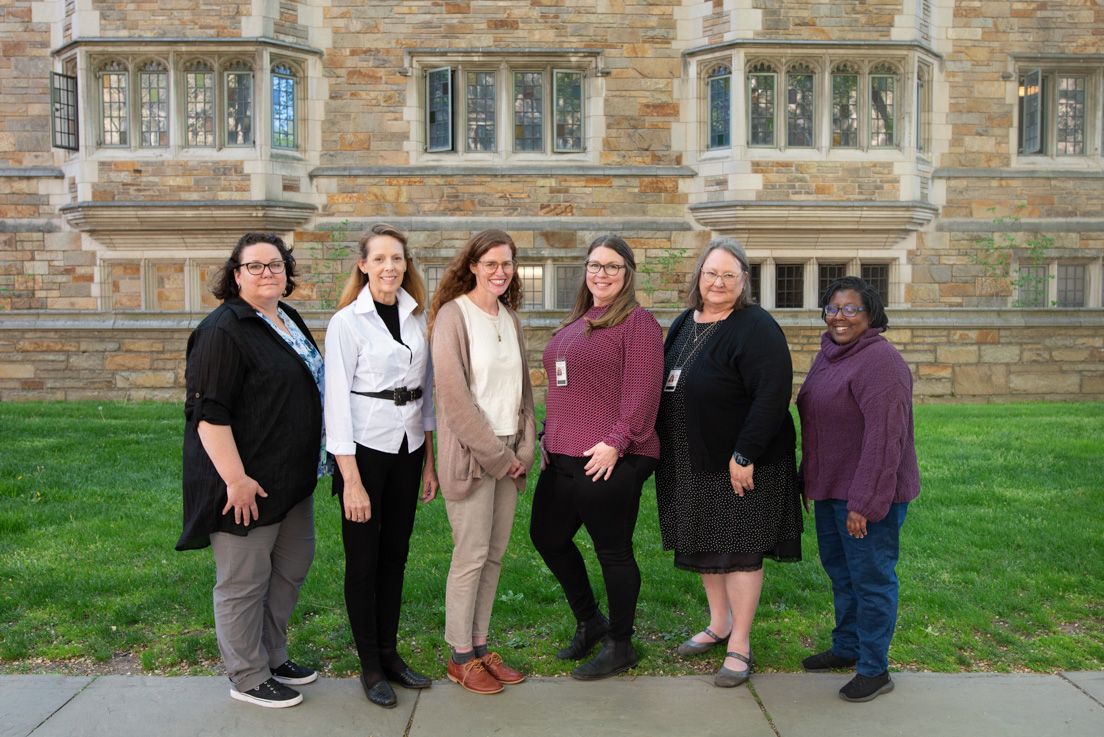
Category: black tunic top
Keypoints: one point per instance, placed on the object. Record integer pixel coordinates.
(242, 374)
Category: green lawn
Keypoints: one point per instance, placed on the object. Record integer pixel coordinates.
(1002, 562)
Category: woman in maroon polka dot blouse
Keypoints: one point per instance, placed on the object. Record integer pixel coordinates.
(605, 373)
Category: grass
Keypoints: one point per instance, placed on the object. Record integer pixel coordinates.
(1002, 566)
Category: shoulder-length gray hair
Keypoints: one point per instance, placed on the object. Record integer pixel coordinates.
(732, 247)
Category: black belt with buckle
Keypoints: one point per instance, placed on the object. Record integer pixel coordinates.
(400, 395)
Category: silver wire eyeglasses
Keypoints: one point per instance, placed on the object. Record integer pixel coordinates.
(727, 278)
(847, 310)
(490, 267)
(611, 269)
(256, 268)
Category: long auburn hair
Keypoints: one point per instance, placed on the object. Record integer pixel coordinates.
(625, 301)
(412, 281)
(459, 279)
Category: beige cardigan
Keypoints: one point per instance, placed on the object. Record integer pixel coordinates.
(466, 446)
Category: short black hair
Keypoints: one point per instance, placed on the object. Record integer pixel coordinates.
(224, 285)
(872, 301)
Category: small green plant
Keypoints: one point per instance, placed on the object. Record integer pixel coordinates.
(328, 261)
(994, 254)
(661, 274)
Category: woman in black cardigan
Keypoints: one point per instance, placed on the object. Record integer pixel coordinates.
(727, 485)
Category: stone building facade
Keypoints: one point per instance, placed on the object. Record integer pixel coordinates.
(892, 139)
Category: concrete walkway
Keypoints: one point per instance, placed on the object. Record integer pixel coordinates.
(785, 704)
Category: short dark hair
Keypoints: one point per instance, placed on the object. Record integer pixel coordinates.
(224, 285)
(872, 301)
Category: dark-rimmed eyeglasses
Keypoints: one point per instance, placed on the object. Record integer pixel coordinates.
(611, 269)
(256, 268)
(847, 310)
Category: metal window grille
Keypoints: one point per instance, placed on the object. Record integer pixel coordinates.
(153, 106)
(1033, 286)
(1031, 100)
(799, 110)
(199, 106)
(761, 98)
(1070, 133)
(433, 276)
(439, 109)
(828, 273)
(63, 103)
(283, 107)
(528, 111)
(113, 108)
(532, 287)
(883, 90)
(720, 108)
(568, 279)
(789, 285)
(481, 111)
(568, 95)
(1071, 285)
(845, 110)
(877, 276)
(239, 107)
(754, 280)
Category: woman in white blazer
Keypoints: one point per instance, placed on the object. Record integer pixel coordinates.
(379, 427)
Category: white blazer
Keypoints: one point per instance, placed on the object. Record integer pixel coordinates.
(362, 356)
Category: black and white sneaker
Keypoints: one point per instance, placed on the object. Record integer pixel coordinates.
(292, 674)
(271, 693)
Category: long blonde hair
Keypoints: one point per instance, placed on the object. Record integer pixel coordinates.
(459, 279)
(622, 304)
(412, 280)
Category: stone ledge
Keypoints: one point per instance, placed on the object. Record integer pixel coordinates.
(502, 170)
(422, 224)
(1023, 225)
(1008, 172)
(32, 172)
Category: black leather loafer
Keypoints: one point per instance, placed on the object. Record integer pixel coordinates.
(408, 678)
(380, 694)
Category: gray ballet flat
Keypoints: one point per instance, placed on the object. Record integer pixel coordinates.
(726, 678)
(691, 647)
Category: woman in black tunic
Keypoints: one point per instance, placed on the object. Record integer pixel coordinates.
(726, 484)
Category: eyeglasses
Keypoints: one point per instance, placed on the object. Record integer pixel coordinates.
(611, 269)
(847, 310)
(256, 268)
(490, 267)
(727, 279)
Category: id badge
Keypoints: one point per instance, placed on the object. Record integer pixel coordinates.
(561, 372)
(672, 379)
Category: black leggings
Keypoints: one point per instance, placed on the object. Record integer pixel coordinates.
(566, 499)
(376, 550)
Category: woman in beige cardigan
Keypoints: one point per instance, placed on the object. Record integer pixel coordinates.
(486, 441)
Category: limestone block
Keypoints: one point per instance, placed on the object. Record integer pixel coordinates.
(1044, 383)
(956, 354)
(982, 379)
(999, 354)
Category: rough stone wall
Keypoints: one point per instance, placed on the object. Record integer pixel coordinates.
(287, 26)
(855, 181)
(1001, 357)
(853, 20)
(157, 180)
(25, 107)
(205, 18)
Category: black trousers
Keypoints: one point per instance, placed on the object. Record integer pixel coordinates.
(376, 550)
(566, 499)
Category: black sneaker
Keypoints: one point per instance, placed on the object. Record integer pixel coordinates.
(271, 693)
(866, 688)
(292, 674)
(826, 660)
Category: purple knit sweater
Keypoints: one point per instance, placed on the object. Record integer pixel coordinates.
(856, 426)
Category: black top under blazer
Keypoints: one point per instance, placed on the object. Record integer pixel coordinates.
(242, 374)
(738, 396)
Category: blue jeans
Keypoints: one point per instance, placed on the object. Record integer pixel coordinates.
(864, 582)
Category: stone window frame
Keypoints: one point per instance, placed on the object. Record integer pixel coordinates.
(853, 261)
(504, 64)
(195, 288)
(282, 67)
(1045, 97)
(221, 66)
(1092, 286)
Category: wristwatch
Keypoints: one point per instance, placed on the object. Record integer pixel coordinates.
(740, 460)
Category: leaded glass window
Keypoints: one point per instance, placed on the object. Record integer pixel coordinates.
(439, 109)
(568, 95)
(284, 130)
(481, 111)
(239, 105)
(153, 104)
(568, 279)
(532, 287)
(828, 273)
(720, 107)
(1031, 113)
(761, 107)
(1032, 283)
(845, 109)
(114, 96)
(63, 120)
(1071, 285)
(1070, 132)
(877, 276)
(199, 105)
(789, 285)
(528, 111)
(883, 100)
(800, 92)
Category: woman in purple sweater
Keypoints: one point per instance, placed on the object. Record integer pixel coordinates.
(859, 467)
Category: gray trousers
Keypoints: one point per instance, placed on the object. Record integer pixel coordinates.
(257, 580)
(481, 526)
